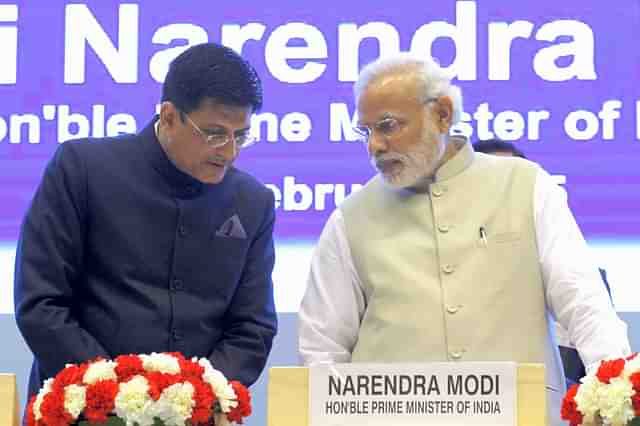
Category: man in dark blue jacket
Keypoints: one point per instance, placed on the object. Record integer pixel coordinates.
(154, 242)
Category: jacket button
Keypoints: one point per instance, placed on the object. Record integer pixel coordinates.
(455, 354)
(443, 228)
(448, 268)
(177, 285)
(452, 309)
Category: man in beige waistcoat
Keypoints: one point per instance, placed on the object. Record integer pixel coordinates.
(447, 254)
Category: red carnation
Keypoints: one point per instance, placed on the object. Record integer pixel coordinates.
(30, 417)
(243, 409)
(159, 382)
(635, 381)
(635, 398)
(570, 410)
(609, 370)
(53, 411)
(190, 369)
(204, 398)
(128, 367)
(71, 375)
(100, 400)
(635, 401)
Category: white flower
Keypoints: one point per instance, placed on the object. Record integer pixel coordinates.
(221, 420)
(46, 388)
(203, 362)
(587, 398)
(175, 404)
(221, 387)
(632, 366)
(615, 402)
(100, 370)
(74, 399)
(133, 402)
(162, 363)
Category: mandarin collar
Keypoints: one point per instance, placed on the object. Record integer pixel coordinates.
(459, 162)
(183, 185)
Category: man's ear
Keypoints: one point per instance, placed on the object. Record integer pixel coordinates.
(169, 115)
(444, 109)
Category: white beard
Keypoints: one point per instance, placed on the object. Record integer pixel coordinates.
(418, 165)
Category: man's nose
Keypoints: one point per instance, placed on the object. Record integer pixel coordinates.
(228, 150)
(377, 144)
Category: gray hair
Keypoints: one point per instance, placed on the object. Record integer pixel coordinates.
(435, 80)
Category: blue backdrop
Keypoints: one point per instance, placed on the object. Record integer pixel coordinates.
(557, 78)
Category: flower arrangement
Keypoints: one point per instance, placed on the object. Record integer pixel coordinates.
(611, 396)
(140, 390)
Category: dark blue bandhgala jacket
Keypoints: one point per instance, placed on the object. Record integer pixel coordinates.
(120, 252)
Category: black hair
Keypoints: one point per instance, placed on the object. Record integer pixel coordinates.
(491, 146)
(213, 72)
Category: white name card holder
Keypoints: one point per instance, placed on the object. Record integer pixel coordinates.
(443, 394)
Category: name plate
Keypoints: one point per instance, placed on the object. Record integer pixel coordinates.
(443, 394)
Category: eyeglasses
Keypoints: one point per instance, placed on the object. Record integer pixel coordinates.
(216, 140)
(388, 127)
